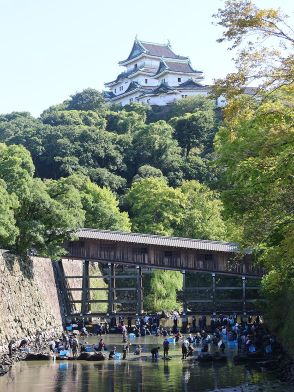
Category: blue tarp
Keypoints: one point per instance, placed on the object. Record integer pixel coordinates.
(64, 353)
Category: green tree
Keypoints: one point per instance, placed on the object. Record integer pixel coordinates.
(266, 47)
(88, 99)
(163, 287)
(124, 122)
(203, 213)
(154, 145)
(194, 130)
(100, 204)
(255, 147)
(191, 105)
(146, 171)
(140, 108)
(154, 207)
(73, 117)
(16, 169)
(8, 229)
(199, 167)
(106, 178)
(255, 150)
(44, 223)
(41, 222)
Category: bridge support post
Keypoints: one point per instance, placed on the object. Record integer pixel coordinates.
(139, 291)
(213, 292)
(244, 294)
(185, 306)
(111, 288)
(85, 308)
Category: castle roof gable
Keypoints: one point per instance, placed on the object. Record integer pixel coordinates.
(152, 49)
(174, 66)
(163, 88)
(190, 83)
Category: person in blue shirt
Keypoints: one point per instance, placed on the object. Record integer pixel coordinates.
(165, 348)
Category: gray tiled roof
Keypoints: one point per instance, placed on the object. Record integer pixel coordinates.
(163, 88)
(132, 71)
(150, 239)
(152, 49)
(160, 50)
(132, 86)
(179, 67)
(175, 67)
(191, 84)
(108, 94)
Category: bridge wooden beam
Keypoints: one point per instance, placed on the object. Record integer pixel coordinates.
(185, 305)
(213, 292)
(85, 308)
(103, 301)
(244, 293)
(89, 289)
(166, 267)
(139, 289)
(102, 289)
(111, 288)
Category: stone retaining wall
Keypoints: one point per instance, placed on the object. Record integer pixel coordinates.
(28, 299)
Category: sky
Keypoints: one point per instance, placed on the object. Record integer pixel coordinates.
(51, 49)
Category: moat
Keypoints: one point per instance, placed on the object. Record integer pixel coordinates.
(139, 374)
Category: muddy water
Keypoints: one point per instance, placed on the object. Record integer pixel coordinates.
(138, 374)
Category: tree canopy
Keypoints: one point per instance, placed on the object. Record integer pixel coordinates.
(266, 43)
(88, 99)
(254, 148)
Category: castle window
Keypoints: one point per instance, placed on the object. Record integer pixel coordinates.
(131, 100)
(115, 90)
(136, 66)
(179, 80)
(146, 81)
(184, 96)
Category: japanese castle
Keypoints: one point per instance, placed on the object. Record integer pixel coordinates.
(154, 75)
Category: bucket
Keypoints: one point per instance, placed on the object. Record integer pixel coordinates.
(252, 348)
(117, 356)
(232, 343)
(132, 335)
(171, 340)
(64, 353)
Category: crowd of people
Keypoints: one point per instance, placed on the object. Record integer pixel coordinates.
(247, 336)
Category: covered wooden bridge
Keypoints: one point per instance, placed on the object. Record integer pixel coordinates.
(127, 256)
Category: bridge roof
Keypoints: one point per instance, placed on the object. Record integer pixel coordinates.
(151, 239)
